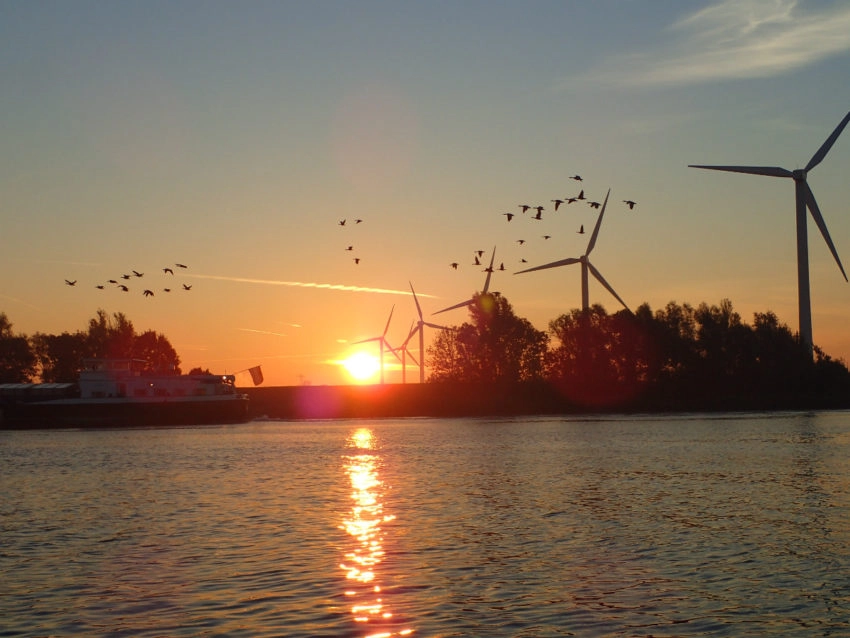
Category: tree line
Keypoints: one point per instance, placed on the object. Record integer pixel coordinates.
(58, 358)
(676, 357)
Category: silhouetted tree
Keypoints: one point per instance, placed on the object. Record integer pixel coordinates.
(111, 337)
(17, 360)
(60, 356)
(157, 352)
(494, 346)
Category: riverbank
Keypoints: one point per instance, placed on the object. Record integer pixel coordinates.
(482, 400)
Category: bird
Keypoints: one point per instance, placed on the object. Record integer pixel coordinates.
(520, 241)
(581, 195)
(502, 266)
(112, 281)
(524, 208)
(71, 283)
(167, 271)
(558, 202)
(480, 253)
(181, 265)
(576, 178)
(477, 261)
(510, 216)
(148, 293)
(166, 289)
(523, 260)
(580, 231)
(539, 214)
(125, 276)
(630, 203)
(357, 260)
(138, 274)
(358, 221)
(594, 204)
(454, 265)
(488, 269)
(350, 248)
(99, 287)
(570, 200)
(123, 287)
(342, 222)
(547, 236)
(187, 287)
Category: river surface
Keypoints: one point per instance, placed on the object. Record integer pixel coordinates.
(686, 525)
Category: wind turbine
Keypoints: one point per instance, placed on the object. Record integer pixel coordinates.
(805, 198)
(420, 328)
(382, 341)
(471, 301)
(405, 352)
(586, 266)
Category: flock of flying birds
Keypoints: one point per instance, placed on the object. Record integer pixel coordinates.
(147, 292)
(538, 215)
(524, 208)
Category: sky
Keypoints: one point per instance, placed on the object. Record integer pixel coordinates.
(234, 138)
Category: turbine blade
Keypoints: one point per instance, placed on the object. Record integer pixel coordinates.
(489, 273)
(367, 340)
(554, 264)
(816, 215)
(823, 150)
(388, 321)
(771, 171)
(418, 307)
(602, 281)
(468, 302)
(391, 349)
(434, 325)
(592, 241)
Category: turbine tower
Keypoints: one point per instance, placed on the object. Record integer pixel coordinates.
(469, 302)
(805, 198)
(382, 341)
(420, 328)
(586, 266)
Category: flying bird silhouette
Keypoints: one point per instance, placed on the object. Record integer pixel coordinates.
(502, 266)
(167, 271)
(581, 195)
(477, 261)
(480, 253)
(510, 216)
(166, 289)
(539, 209)
(181, 266)
(454, 265)
(112, 281)
(524, 207)
(580, 231)
(123, 287)
(342, 222)
(576, 178)
(187, 287)
(594, 204)
(547, 236)
(539, 214)
(125, 276)
(350, 248)
(358, 221)
(138, 274)
(148, 293)
(99, 287)
(520, 241)
(357, 260)
(630, 203)
(71, 283)
(558, 202)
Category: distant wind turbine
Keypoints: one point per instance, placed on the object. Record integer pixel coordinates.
(805, 198)
(420, 328)
(586, 266)
(471, 301)
(382, 341)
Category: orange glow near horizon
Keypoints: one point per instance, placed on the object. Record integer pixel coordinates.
(364, 524)
(362, 367)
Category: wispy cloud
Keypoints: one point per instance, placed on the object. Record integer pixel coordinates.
(302, 284)
(263, 332)
(735, 39)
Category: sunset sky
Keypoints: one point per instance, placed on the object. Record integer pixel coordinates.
(234, 137)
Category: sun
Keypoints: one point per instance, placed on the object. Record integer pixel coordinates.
(362, 366)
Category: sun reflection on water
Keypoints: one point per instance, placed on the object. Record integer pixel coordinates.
(364, 524)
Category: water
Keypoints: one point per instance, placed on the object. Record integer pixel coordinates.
(618, 526)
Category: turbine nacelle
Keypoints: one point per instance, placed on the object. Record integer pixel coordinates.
(800, 174)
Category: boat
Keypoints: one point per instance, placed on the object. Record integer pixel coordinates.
(121, 393)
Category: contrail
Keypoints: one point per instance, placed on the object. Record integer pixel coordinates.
(302, 284)
(264, 332)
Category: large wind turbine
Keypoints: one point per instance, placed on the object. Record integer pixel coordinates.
(382, 341)
(471, 301)
(420, 328)
(586, 266)
(805, 198)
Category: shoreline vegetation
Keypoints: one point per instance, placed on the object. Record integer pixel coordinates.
(455, 400)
